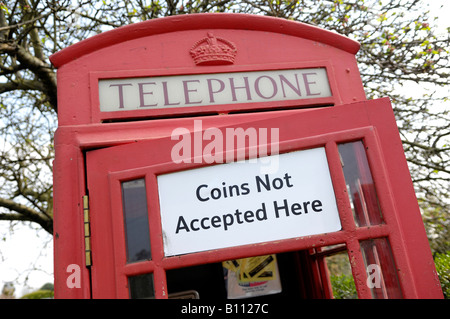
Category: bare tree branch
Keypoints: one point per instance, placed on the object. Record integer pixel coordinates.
(25, 213)
(42, 70)
(14, 26)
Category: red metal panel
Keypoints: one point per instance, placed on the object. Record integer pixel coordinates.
(68, 224)
(196, 22)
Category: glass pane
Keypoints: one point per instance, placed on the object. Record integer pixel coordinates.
(341, 277)
(141, 286)
(136, 220)
(381, 270)
(360, 185)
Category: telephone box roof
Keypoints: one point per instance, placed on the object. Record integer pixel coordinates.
(203, 21)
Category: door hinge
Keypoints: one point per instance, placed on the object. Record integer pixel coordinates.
(87, 231)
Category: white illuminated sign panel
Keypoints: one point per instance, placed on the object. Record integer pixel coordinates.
(234, 204)
(212, 89)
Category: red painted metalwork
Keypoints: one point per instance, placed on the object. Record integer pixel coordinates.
(96, 151)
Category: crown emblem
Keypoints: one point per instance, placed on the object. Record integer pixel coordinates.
(213, 51)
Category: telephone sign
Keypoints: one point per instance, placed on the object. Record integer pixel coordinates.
(212, 89)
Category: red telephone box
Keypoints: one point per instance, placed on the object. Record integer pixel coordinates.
(206, 155)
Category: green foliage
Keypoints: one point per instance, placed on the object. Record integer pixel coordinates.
(442, 262)
(437, 225)
(48, 286)
(40, 294)
(343, 287)
(341, 276)
(45, 292)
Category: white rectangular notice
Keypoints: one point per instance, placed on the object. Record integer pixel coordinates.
(128, 94)
(234, 204)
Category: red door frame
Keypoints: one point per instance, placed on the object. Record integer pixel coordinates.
(372, 122)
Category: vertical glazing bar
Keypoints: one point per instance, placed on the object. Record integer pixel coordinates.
(348, 224)
(157, 237)
(160, 283)
(358, 269)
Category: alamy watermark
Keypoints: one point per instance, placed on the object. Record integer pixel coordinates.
(74, 278)
(214, 145)
(373, 276)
